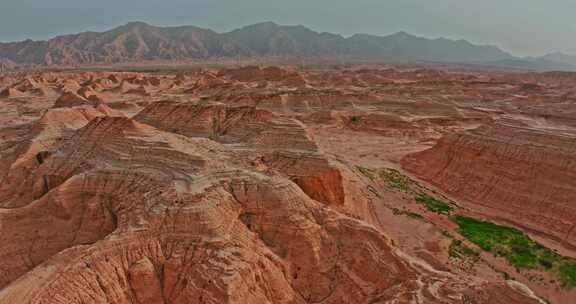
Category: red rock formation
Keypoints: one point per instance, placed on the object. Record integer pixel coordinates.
(526, 175)
(242, 126)
(312, 173)
(19, 184)
(245, 186)
(165, 236)
(70, 99)
(11, 92)
(267, 74)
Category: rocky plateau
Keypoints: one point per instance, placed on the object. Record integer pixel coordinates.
(283, 184)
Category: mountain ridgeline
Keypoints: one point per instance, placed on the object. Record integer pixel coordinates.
(137, 41)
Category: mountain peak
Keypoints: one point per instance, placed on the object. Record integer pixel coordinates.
(260, 39)
(136, 24)
(559, 57)
(403, 34)
(265, 24)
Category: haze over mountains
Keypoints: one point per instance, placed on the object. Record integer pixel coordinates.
(138, 41)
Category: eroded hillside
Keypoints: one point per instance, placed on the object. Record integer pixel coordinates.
(287, 185)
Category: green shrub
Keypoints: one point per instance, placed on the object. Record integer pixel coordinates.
(392, 177)
(369, 173)
(407, 213)
(395, 179)
(503, 241)
(458, 249)
(567, 274)
(517, 248)
(433, 204)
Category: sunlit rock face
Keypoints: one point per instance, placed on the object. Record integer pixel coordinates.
(253, 185)
(523, 172)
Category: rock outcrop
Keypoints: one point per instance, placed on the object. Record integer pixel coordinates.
(273, 185)
(135, 214)
(525, 174)
(246, 127)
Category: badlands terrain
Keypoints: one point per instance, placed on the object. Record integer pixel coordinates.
(360, 184)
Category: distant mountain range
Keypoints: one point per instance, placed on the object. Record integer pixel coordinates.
(138, 41)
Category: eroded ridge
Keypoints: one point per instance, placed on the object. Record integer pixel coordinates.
(279, 185)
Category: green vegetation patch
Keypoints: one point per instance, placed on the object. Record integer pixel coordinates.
(567, 274)
(517, 248)
(369, 173)
(459, 250)
(392, 177)
(503, 241)
(395, 179)
(434, 205)
(407, 213)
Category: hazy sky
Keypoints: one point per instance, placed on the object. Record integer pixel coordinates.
(524, 27)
